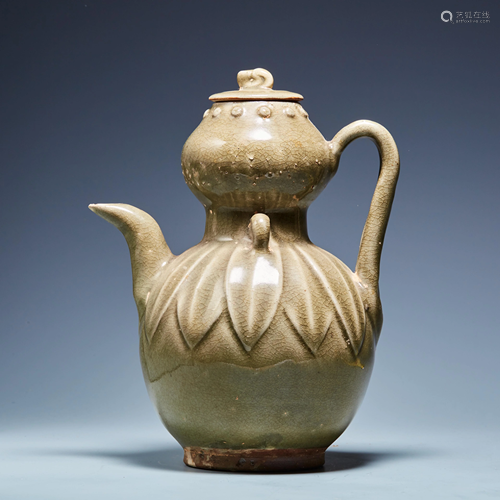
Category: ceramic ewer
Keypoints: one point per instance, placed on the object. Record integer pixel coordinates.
(256, 345)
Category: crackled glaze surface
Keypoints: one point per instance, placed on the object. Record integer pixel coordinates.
(255, 338)
(230, 302)
(257, 155)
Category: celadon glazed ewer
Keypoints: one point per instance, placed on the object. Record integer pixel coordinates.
(256, 345)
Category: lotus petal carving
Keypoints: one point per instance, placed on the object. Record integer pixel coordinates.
(247, 288)
(254, 280)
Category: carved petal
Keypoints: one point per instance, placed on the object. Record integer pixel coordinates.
(338, 287)
(307, 305)
(175, 277)
(200, 300)
(254, 280)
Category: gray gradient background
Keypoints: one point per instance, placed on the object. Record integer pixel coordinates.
(97, 99)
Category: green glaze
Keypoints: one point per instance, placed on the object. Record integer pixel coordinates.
(255, 338)
(286, 405)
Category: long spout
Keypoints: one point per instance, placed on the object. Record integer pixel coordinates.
(148, 249)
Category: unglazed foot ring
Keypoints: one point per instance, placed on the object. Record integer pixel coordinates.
(273, 460)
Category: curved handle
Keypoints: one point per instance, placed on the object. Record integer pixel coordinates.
(372, 239)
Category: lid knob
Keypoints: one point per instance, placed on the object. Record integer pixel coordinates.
(258, 77)
(256, 85)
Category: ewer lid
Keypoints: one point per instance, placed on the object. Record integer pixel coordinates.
(256, 85)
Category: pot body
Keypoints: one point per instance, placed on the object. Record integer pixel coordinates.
(289, 405)
(291, 381)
